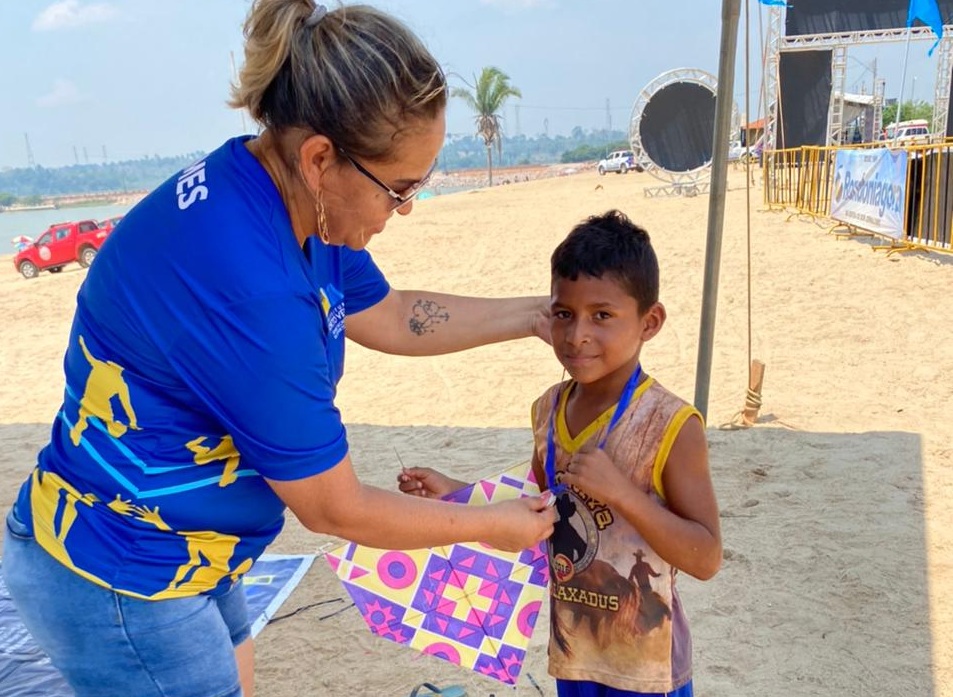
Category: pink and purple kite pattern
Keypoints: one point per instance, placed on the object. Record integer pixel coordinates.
(469, 604)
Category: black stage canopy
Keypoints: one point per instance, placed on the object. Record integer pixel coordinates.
(842, 16)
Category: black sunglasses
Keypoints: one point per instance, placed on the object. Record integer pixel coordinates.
(397, 199)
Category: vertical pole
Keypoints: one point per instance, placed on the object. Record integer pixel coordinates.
(231, 57)
(872, 136)
(730, 11)
(903, 79)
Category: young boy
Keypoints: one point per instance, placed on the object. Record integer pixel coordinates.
(628, 463)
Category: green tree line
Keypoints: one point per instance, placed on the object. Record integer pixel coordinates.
(27, 185)
(910, 110)
(461, 151)
(469, 151)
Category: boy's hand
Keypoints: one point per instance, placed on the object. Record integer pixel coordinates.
(521, 523)
(593, 472)
(426, 482)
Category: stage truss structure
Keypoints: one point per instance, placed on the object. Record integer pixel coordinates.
(687, 183)
(839, 43)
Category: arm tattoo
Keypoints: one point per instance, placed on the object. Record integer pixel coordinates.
(426, 314)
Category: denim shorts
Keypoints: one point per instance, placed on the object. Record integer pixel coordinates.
(107, 644)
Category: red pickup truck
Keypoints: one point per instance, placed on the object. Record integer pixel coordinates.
(61, 244)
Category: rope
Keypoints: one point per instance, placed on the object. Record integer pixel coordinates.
(752, 398)
(738, 421)
(748, 160)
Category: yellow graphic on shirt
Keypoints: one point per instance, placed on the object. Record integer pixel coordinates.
(143, 513)
(104, 382)
(209, 556)
(225, 450)
(54, 504)
(57, 506)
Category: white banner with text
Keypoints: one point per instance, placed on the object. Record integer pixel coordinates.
(870, 190)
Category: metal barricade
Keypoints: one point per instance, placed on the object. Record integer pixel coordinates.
(802, 180)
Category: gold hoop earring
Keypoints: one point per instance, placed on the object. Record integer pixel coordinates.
(323, 232)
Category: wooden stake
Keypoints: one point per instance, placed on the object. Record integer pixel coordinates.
(753, 398)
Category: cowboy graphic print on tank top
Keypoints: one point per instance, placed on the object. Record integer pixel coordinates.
(616, 616)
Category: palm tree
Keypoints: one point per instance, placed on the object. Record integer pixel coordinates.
(492, 90)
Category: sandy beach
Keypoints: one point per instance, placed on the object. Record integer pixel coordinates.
(837, 507)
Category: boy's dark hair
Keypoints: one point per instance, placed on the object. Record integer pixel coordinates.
(610, 244)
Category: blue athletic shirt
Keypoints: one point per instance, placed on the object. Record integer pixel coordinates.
(204, 356)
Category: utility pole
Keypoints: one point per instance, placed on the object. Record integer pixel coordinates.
(75, 155)
(517, 119)
(104, 154)
(85, 155)
(608, 116)
(31, 163)
(231, 56)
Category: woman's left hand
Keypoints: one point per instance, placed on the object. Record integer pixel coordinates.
(541, 326)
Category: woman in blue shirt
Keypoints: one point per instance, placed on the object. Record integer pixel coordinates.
(203, 361)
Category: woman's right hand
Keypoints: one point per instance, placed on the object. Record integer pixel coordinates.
(426, 482)
(521, 523)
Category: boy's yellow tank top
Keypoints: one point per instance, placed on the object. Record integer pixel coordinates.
(616, 616)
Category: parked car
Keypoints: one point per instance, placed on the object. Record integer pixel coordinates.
(736, 151)
(109, 223)
(912, 132)
(60, 245)
(620, 162)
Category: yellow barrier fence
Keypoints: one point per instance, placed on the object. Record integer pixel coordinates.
(929, 215)
(801, 180)
(817, 181)
(781, 178)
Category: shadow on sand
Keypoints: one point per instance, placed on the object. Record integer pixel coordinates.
(823, 589)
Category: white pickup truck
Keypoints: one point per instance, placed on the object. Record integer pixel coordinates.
(620, 162)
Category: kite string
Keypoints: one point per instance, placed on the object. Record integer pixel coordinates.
(320, 551)
(285, 616)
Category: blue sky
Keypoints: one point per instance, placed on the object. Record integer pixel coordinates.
(145, 77)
